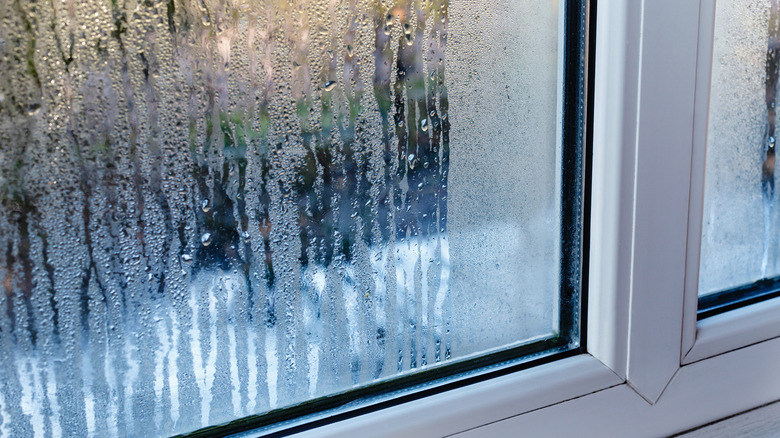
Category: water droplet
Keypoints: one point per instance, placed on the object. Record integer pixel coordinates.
(186, 258)
(410, 157)
(400, 123)
(33, 109)
(350, 50)
(205, 239)
(424, 125)
(432, 113)
(407, 28)
(245, 235)
(329, 86)
(205, 205)
(409, 39)
(419, 186)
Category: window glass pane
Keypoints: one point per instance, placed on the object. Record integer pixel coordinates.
(741, 218)
(212, 209)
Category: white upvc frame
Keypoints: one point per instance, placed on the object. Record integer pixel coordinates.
(652, 369)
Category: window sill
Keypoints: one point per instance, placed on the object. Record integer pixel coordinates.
(698, 394)
(482, 403)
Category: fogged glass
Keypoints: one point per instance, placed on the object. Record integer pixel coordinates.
(215, 208)
(741, 217)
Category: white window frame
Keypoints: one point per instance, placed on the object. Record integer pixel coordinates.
(651, 368)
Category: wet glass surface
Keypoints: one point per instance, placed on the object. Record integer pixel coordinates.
(741, 220)
(215, 208)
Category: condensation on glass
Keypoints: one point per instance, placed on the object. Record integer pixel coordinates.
(741, 217)
(215, 208)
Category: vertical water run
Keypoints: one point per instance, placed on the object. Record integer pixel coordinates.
(213, 208)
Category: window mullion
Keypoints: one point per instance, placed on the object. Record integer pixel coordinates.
(663, 165)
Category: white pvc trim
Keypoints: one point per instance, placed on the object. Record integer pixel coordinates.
(478, 404)
(700, 393)
(696, 206)
(612, 194)
(735, 329)
(669, 35)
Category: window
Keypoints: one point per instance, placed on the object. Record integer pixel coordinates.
(739, 260)
(250, 211)
(650, 368)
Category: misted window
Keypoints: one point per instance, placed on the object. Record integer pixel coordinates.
(740, 261)
(213, 209)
